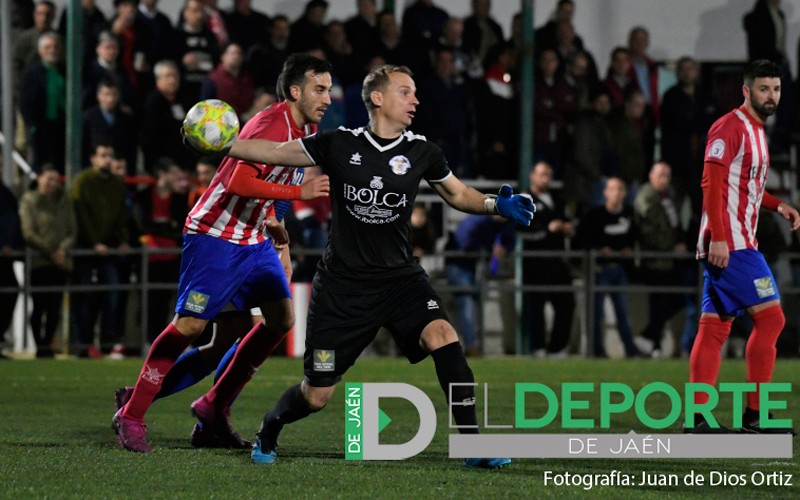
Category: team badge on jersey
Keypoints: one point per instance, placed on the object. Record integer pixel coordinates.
(400, 164)
(324, 360)
(764, 287)
(196, 302)
(717, 149)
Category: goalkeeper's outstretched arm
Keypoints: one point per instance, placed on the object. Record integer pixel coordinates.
(288, 154)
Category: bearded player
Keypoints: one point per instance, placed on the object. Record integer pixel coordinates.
(737, 278)
(228, 259)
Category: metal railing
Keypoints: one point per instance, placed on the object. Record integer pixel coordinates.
(583, 265)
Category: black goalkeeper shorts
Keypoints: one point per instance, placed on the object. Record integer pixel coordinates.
(342, 324)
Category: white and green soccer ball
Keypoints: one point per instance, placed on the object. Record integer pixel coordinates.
(211, 126)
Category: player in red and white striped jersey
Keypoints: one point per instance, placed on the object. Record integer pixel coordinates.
(229, 263)
(737, 278)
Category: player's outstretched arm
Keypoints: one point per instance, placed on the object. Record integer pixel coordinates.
(790, 213)
(245, 182)
(289, 154)
(458, 195)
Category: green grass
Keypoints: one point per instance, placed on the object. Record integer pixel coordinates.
(55, 439)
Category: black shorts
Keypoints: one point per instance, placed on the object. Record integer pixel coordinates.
(342, 324)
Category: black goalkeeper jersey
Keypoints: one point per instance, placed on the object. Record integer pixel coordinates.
(374, 182)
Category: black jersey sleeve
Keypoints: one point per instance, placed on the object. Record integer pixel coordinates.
(437, 170)
(318, 146)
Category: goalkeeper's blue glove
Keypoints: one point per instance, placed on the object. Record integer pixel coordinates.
(518, 207)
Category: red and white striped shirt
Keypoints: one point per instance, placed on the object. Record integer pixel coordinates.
(737, 143)
(235, 218)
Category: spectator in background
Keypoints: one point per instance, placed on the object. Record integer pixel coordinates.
(423, 232)
(481, 31)
(546, 37)
(312, 218)
(10, 242)
(134, 41)
(466, 65)
(765, 27)
(549, 230)
(592, 157)
(618, 81)
(231, 82)
(197, 49)
(354, 110)
(644, 71)
(423, 24)
(42, 102)
(393, 48)
(160, 212)
(99, 201)
(161, 38)
(49, 229)
(216, 22)
(497, 113)
(265, 59)
(766, 31)
(94, 22)
(568, 46)
(657, 211)
(686, 115)
(494, 235)
(553, 105)
(362, 31)
(104, 67)
(245, 25)
(164, 112)
(25, 50)
(205, 170)
(582, 80)
(308, 32)
(627, 142)
(340, 53)
(446, 119)
(610, 230)
(106, 122)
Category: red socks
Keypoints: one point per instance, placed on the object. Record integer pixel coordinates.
(706, 354)
(163, 353)
(253, 350)
(760, 353)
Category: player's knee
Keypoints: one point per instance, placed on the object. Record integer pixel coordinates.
(438, 333)
(190, 326)
(317, 397)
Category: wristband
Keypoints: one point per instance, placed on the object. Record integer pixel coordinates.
(490, 204)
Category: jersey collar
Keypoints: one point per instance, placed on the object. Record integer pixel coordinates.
(378, 146)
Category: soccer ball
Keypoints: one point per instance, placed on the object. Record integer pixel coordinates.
(211, 126)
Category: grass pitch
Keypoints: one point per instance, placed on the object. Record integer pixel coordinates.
(56, 441)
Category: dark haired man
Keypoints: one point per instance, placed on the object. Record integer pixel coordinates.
(229, 263)
(737, 278)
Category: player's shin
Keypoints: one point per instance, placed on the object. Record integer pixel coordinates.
(163, 353)
(706, 354)
(760, 352)
(291, 407)
(253, 350)
(453, 371)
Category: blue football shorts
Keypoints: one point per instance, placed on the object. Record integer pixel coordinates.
(215, 273)
(746, 282)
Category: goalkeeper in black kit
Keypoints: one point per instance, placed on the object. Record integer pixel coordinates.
(368, 277)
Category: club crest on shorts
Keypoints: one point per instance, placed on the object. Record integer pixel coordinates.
(400, 164)
(324, 360)
(196, 302)
(764, 287)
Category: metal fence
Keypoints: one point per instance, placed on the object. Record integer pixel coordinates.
(583, 264)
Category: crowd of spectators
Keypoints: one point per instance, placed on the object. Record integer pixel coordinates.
(142, 71)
